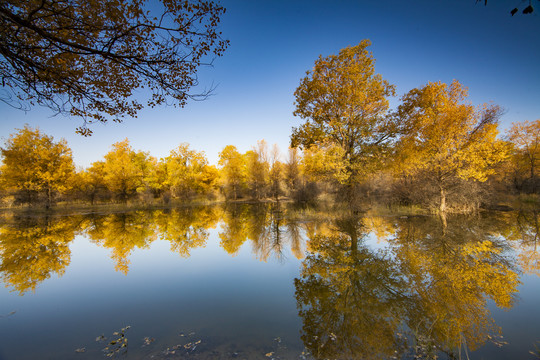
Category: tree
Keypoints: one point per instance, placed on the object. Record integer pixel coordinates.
(188, 172)
(34, 164)
(122, 173)
(86, 58)
(444, 138)
(525, 137)
(257, 169)
(275, 174)
(344, 104)
(233, 169)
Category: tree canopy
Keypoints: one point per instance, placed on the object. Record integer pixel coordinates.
(344, 103)
(86, 58)
(35, 166)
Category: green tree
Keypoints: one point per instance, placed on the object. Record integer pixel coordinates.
(34, 164)
(344, 103)
(86, 58)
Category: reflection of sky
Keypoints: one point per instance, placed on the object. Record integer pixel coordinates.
(230, 302)
(228, 299)
(274, 42)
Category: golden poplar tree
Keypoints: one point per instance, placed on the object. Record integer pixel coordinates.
(122, 174)
(525, 136)
(344, 103)
(445, 138)
(34, 165)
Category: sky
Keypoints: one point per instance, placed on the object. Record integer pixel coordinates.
(274, 42)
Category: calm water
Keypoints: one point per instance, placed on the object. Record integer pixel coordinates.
(269, 282)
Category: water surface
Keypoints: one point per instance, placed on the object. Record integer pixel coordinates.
(269, 281)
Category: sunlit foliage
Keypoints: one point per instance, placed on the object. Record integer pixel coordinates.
(34, 165)
(525, 136)
(188, 172)
(124, 170)
(444, 138)
(344, 103)
(234, 171)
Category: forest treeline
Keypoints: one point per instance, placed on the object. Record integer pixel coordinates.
(435, 150)
(37, 169)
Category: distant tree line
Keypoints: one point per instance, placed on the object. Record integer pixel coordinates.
(37, 169)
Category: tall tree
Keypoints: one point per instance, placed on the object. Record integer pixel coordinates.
(445, 138)
(86, 58)
(344, 103)
(257, 169)
(33, 164)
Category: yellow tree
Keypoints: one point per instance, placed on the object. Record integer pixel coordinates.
(33, 164)
(257, 169)
(188, 172)
(90, 182)
(525, 136)
(122, 175)
(233, 171)
(276, 172)
(344, 103)
(446, 138)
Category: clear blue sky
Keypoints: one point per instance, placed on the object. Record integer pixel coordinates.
(274, 42)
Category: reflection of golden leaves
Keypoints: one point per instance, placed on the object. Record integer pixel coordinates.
(34, 248)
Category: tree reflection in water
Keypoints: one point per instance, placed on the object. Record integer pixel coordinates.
(426, 292)
(33, 248)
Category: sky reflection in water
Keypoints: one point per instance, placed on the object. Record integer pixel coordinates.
(255, 280)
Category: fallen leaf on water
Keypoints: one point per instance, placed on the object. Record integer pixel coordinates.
(147, 341)
(269, 354)
(80, 350)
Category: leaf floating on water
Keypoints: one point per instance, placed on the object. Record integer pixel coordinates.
(269, 354)
(80, 350)
(147, 341)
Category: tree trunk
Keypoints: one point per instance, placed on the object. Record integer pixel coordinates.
(442, 206)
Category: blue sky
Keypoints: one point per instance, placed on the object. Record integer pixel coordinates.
(273, 44)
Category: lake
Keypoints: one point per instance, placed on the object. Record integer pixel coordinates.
(269, 281)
